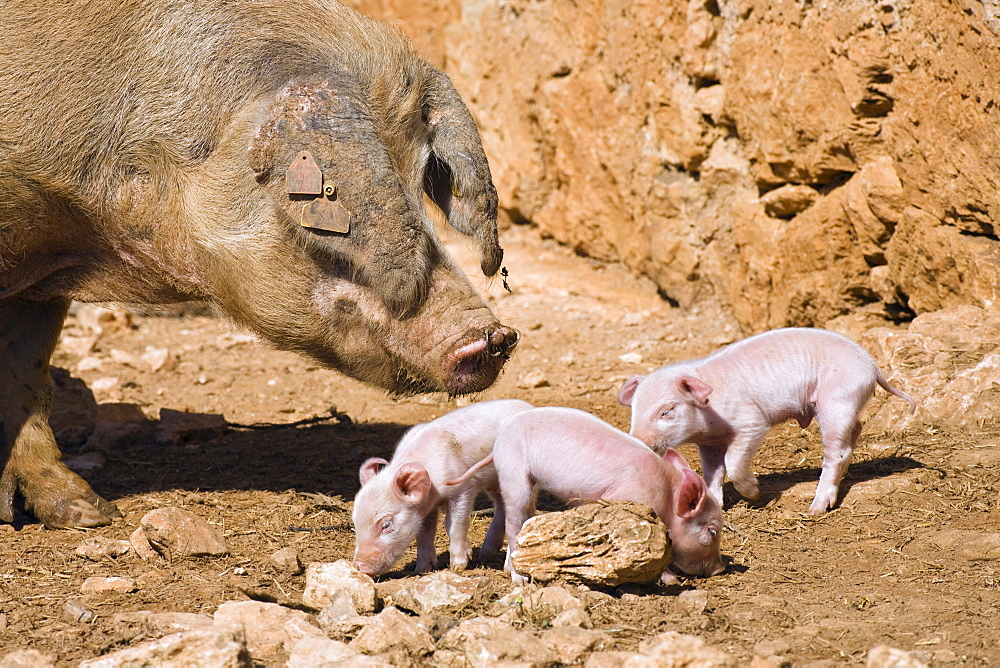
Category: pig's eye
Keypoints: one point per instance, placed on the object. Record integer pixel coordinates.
(386, 525)
(666, 414)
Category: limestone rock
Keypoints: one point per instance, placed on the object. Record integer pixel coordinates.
(101, 585)
(96, 548)
(175, 532)
(167, 623)
(324, 580)
(572, 643)
(487, 642)
(437, 591)
(268, 627)
(340, 607)
(395, 634)
(884, 656)
(605, 544)
(220, 648)
(27, 658)
(678, 649)
(287, 559)
(75, 612)
(319, 652)
(788, 200)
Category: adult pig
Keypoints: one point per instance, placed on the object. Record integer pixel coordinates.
(726, 403)
(144, 150)
(576, 456)
(399, 500)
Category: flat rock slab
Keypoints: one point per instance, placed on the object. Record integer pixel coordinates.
(96, 548)
(437, 592)
(324, 580)
(597, 544)
(175, 532)
(269, 628)
(219, 648)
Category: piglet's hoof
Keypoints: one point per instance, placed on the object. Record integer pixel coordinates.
(77, 514)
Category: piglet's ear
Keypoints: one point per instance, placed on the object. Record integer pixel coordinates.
(690, 494)
(413, 483)
(694, 390)
(628, 390)
(370, 468)
(676, 459)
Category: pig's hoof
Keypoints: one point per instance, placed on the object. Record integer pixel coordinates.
(751, 491)
(64, 500)
(423, 567)
(668, 578)
(822, 503)
(458, 565)
(518, 579)
(78, 514)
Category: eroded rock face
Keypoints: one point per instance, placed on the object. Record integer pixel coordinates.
(796, 161)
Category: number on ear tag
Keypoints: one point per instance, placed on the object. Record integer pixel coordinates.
(303, 176)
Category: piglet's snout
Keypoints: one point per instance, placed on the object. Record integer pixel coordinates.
(365, 567)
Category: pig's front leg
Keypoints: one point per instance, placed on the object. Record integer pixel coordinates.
(494, 535)
(838, 446)
(739, 461)
(518, 510)
(426, 552)
(713, 468)
(456, 524)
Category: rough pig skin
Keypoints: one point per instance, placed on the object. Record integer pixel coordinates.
(143, 151)
(576, 456)
(399, 500)
(726, 403)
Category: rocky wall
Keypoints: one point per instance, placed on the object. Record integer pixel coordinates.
(797, 161)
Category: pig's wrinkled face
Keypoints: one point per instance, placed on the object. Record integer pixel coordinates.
(386, 521)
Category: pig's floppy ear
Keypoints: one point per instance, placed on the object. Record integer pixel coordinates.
(694, 390)
(628, 390)
(676, 459)
(457, 177)
(370, 468)
(413, 483)
(690, 495)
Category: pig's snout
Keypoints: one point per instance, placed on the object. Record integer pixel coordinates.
(476, 361)
(365, 568)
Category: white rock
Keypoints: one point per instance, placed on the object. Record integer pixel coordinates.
(392, 631)
(100, 585)
(611, 659)
(96, 548)
(440, 590)
(166, 623)
(571, 643)
(533, 379)
(156, 358)
(27, 658)
(216, 647)
(175, 532)
(678, 649)
(76, 612)
(324, 580)
(78, 345)
(268, 627)
(319, 652)
(141, 545)
(89, 363)
(103, 384)
(487, 642)
(340, 607)
(631, 358)
(884, 656)
(693, 600)
(126, 358)
(287, 560)
(574, 617)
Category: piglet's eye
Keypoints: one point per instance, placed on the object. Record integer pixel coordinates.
(666, 412)
(386, 525)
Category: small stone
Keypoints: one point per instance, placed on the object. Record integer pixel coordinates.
(340, 607)
(89, 363)
(319, 652)
(678, 649)
(395, 633)
(126, 358)
(613, 659)
(141, 545)
(596, 544)
(96, 548)
(788, 200)
(27, 658)
(884, 656)
(130, 624)
(177, 426)
(103, 384)
(156, 358)
(488, 642)
(571, 643)
(694, 601)
(324, 580)
(75, 612)
(101, 585)
(437, 591)
(101, 319)
(287, 559)
(81, 346)
(533, 379)
(216, 647)
(631, 358)
(175, 532)
(573, 617)
(268, 628)
(167, 623)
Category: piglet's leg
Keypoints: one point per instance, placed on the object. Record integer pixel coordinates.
(426, 553)
(494, 535)
(739, 462)
(456, 523)
(519, 509)
(713, 466)
(839, 440)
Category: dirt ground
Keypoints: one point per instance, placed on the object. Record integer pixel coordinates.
(906, 560)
